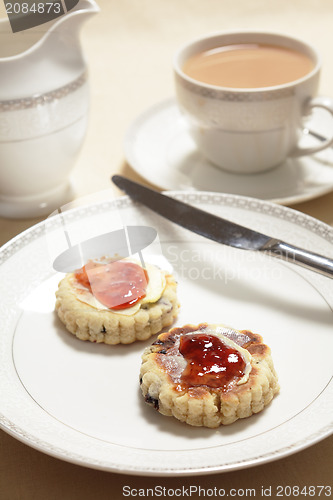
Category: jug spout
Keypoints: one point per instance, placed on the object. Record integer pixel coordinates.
(76, 13)
(83, 7)
(87, 5)
(53, 60)
(62, 44)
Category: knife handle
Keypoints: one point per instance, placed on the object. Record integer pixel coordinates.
(304, 258)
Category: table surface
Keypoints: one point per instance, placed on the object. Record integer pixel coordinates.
(129, 47)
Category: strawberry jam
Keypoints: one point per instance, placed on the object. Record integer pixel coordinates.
(209, 361)
(117, 284)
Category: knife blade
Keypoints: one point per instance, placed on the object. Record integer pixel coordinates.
(222, 230)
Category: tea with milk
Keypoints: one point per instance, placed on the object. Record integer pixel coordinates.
(248, 66)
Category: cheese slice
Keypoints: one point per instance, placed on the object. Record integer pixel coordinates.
(156, 284)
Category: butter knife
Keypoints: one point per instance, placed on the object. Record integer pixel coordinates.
(222, 230)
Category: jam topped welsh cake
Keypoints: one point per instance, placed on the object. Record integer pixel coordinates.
(208, 375)
(117, 301)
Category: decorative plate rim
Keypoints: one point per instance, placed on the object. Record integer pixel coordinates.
(209, 198)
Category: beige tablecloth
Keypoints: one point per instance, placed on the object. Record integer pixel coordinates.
(129, 47)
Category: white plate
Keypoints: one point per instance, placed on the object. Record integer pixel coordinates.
(160, 149)
(81, 402)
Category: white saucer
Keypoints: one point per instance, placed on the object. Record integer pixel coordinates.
(159, 148)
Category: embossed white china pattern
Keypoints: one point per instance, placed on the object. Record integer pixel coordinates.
(159, 148)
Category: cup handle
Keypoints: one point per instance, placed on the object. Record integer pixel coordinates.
(317, 102)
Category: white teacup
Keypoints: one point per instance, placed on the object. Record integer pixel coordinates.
(249, 130)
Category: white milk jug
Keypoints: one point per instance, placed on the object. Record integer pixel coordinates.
(44, 104)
